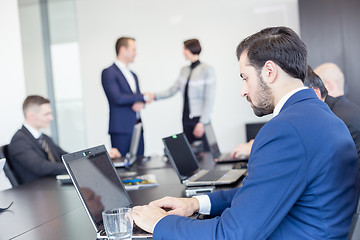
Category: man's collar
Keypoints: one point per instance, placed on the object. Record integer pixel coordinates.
(120, 64)
(36, 133)
(283, 100)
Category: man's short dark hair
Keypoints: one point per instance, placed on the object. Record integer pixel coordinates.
(122, 42)
(278, 44)
(312, 80)
(193, 45)
(34, 100)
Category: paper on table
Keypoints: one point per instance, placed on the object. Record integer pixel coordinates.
(136, 182)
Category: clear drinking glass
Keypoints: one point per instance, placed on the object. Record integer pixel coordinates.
(118, 223)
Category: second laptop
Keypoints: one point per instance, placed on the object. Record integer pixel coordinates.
(184, 162)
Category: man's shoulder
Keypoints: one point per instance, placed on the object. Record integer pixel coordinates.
(350, 105)
(344, 108)
(19, 134)
(20, 140)
(111, 68)
(299, 113)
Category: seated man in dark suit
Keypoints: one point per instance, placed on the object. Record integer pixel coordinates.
(32, 153)
(302, 180)
(333, 79)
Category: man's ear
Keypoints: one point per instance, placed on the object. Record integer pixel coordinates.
(317, 92)
(270, 72)
(29, 115)
(122, 49)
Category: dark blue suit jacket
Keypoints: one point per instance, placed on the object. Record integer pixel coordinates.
(302, 182)
(120, 97)
(30, 161)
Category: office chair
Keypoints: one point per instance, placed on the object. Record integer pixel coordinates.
(252, 129)
(354, 233)
(9, 171)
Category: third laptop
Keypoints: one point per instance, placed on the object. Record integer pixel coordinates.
(214, 148)
(185, 164)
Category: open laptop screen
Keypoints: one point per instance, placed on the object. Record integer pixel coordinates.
(211, 139)
(97, 182)
(180, 152)
(2, 163)
(135, 139)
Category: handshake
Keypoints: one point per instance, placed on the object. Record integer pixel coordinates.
(148, 97)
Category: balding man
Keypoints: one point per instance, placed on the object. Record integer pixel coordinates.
(333, 79)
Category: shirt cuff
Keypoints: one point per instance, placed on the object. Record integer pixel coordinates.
(204, 204)
(145, 97)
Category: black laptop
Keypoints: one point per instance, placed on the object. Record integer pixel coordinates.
(185, 164)
(98, 186)
(214, 148)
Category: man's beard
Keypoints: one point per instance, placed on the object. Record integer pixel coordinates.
(264, 98)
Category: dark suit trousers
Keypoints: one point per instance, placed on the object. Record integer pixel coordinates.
(188, 127)
(122, 142)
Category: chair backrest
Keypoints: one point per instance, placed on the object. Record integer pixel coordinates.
(252, 129)
(354, 233)
(9, 171)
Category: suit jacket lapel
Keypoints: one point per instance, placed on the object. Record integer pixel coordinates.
(122, 77)
(27, 134)
(136, 82)
(52, 148)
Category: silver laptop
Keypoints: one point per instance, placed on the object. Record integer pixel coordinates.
(98, 186)
(184, 162)
(130, 157)
(214, 148)
(2, 163)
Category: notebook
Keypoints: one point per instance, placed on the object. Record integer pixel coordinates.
(184, 162)
(130, 157)
(214, 148)
(98, 186)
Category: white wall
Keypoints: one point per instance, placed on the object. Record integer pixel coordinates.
(160, 27)
(11, 71)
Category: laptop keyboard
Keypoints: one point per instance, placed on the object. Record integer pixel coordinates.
(211, 176)
(138, 230)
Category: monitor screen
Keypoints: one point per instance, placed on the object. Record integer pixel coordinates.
(98, 184)
(181, 154)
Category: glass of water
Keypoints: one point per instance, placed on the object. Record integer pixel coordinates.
(118, 223)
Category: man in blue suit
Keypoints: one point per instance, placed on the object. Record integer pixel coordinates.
(122, 90)
(302, 178)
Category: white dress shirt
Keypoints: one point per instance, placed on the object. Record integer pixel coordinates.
(283, 100)
(36, 133)
(204, 200)
(128, 75)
